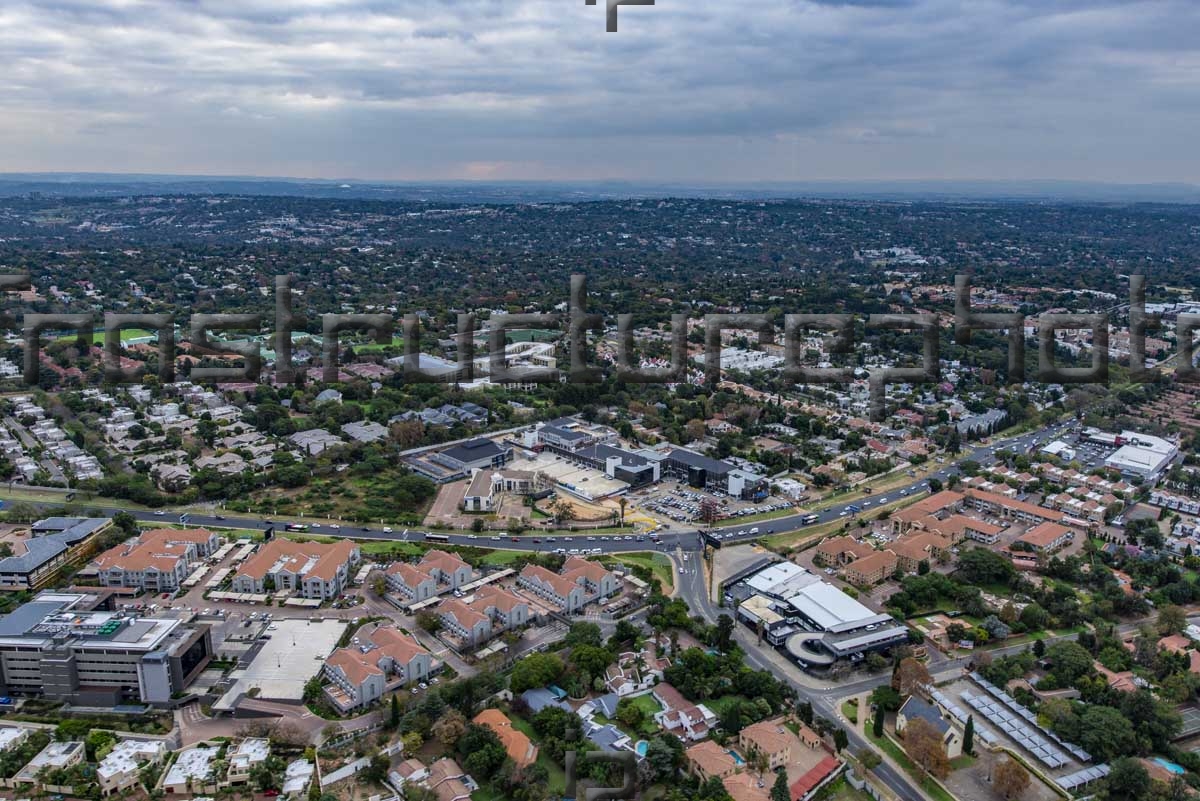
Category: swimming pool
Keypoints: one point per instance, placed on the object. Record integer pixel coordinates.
(641, 747)
(1171, 766)
(736, 757)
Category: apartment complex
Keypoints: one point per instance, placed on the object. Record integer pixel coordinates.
(490, 611)
(376, 660)
(581, 582)
(157, 561)
(312, 569)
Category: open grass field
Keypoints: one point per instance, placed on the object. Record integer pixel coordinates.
(661, 566)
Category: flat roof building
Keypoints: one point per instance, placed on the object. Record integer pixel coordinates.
(54, 646)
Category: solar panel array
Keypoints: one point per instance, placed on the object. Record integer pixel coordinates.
(1023, 718)
(1012, 725)
(957, 712)
(1082, 777)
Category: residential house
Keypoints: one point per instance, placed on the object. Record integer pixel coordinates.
(708, 760)
(520, 749)
(681, 717)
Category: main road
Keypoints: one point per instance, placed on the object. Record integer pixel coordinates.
(587, 543)
(691, 579)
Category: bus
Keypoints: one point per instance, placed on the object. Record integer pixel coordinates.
(431, 537)
(808, 520)
(295, 527)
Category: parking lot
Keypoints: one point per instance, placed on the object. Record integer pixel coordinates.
(682, 504)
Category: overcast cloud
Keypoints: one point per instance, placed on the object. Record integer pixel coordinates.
(690, 90)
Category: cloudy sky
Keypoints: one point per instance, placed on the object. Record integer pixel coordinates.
(689, 90)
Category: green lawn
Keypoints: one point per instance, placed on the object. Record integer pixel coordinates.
(557, 777)
(719, 705)
(889, 746)
(659, 565)
(647, 704)
(850, 711)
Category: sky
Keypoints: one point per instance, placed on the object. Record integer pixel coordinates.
(734, 91)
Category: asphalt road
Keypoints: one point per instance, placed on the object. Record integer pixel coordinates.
(691, 580)
(689, 540)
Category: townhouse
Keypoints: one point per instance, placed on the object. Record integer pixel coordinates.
(148, 567)
(505, 610)
(312, 569)
(707, 760)
(157, 561)
(560, 591)
(464, 623)
(121, 768)
(870, 569)
(446, 568)
(839, 551)
(1046, 538)
(411, 582)
(377, 660)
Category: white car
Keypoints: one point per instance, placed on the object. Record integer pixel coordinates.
(335, 526)
(387, 529)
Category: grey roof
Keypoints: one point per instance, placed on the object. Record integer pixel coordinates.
(606, 737)
(601, 453)
(28, 615)
(474, 450)
(916, 707)
(607, 705)
(699, 460)
(51, 537)
(540, 698)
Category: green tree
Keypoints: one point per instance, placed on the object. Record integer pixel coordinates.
(877, 724)
(969, 736)
(780, 790)
(535, 670)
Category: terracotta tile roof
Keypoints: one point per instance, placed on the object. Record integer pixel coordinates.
(770, 736)
(593, 571)
(140, 556)
(1176, 643)
(519, 747)
(840, 545)
(879, 560)
(411, 576)
(1014, 505)
(1043, 534)
(711, 759)
(671, 698)
(194, 535)
(442, 560)
(805, 784)
(356, 665)
(396, 644)
(744, 787)
(307, 559)
(502, 599)
(561, 585)
(465, 615)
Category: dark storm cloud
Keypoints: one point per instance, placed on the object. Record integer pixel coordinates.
(704, 89)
